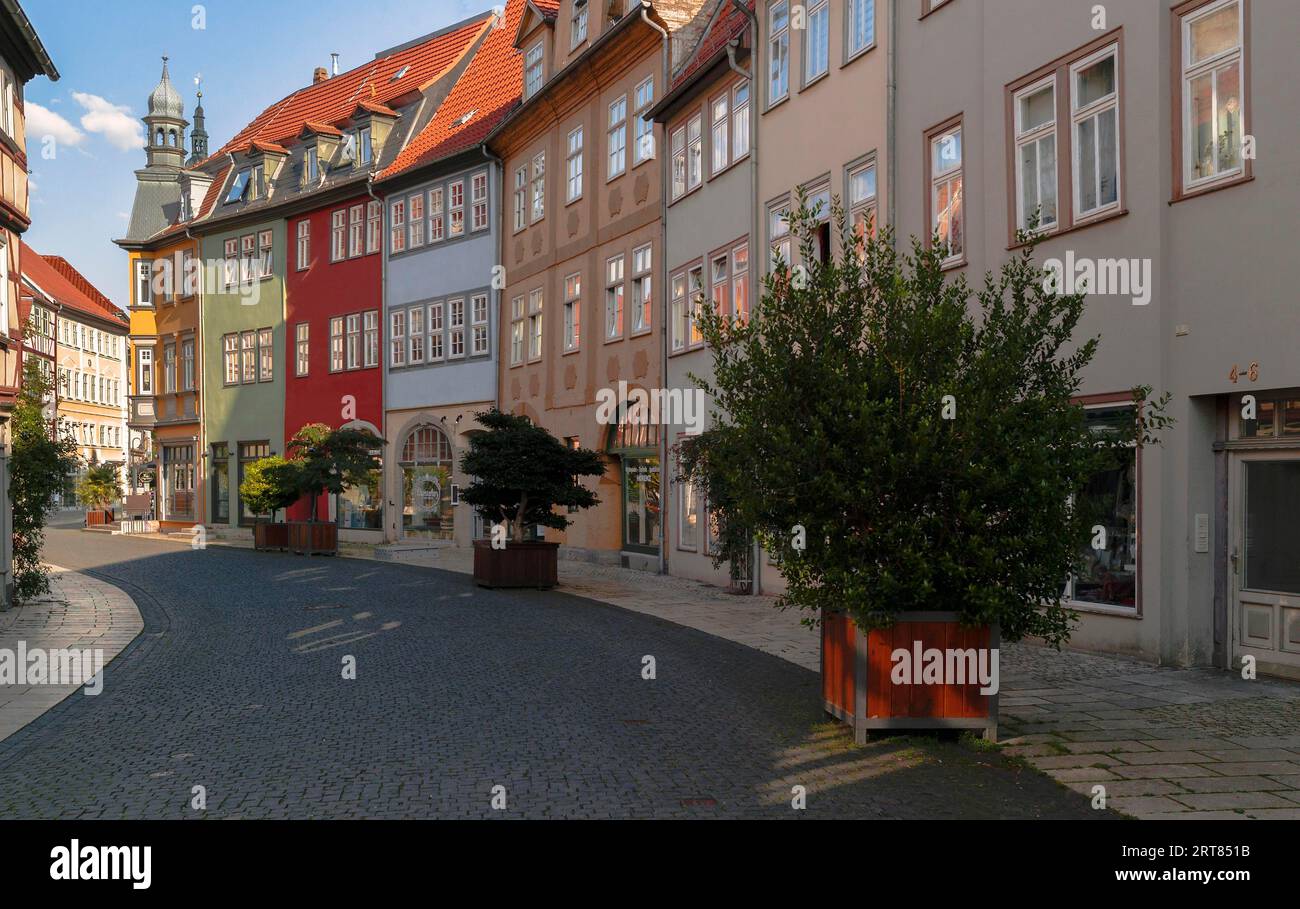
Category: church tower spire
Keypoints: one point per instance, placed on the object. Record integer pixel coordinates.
(198, 135)
(165, 124)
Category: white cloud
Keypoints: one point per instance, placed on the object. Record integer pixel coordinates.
(113, 121)
(42, 122)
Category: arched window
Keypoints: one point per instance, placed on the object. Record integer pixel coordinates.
(426, 462)
(171, 138)
(160, 139)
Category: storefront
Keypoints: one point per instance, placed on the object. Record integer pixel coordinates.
(636, 446)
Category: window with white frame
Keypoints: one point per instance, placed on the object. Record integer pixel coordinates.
(336, 344)
(617, 137)
(304, 244)
(247, 258)
(578, 24)
(516, 331)
(817, 40)
(415, 220)
(946, 199)
(456, 328)
(456, 208)
(437, 343)
(354, 340)
(539, 187)
(356, 230)
(614, 296)
(338, 235)
(1094, 106)
(478, 324)
(374, 225)
(302, 349)
(370, 331)
(778, 52)
(778, 232)
(435, 215)
(720, 283)
(415, 335)
(641, 288)
(678, 308)
(862, 201)
(740, 283)
(740, 121)
(572, 312)
(694, 301)
(479, 201)
(1213, 104)
(643, 143)
(521, 197)
(311, 164)
(248, 357)
(678, 144)
(187, 368)
(573, 166)
(721, 131)
(532, 70)
(143, 282)
(397, 337)
(265, 355)
(535, 324)
(229, 358)
(694, 152)
(1034, 109)
(230, 265)
(397, 226)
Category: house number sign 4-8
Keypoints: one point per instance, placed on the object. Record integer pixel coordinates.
(1252, 373)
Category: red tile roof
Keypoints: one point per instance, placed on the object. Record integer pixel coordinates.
(334, 100)
(488, 89)
(57, 278)
(323, 129)
(725, 26)
(548, 8)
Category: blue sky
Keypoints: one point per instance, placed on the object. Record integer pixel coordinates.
(108, 53)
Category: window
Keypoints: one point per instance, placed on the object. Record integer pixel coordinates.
(374, 225)
(364, 150)
(145, 364)
(370, 337)
(578, 26)
(190, 276)
(264, 249)
(256, 182)
(336, 344)
(354, 341)
(535, 324)
(304, 244)
(187, 368)
(539, 186)
(230, 358)
(169, 370)
(694, 152)
(1094, 106)
(516, 331)
(1035, 127)
(643, 147)
(338, 236)
(862, 201)
(248, 453)
(356, 230)
(265, 355)
(416, 338)
(479, 199)
(945, 198)
(456, 209)
(778, 232)
(302, 357)
(238, 187)
(572, 312)
(573, 166)
(740, 121)
(415, 223)
(248, 356)
(614, 291)
(679, 162)
(680, 317)
(641, 287)
(617, 137)
(178, 478)
(397, 338)
(1109, 499)
(740, 283)
(478, 314)
(455, 328)
(397, 232)
(311, 164)
(817, 41)
(143, 282)
(436, 350)
(862, 25)
(778, 52)
(720, 283)
(533, 70)
(1212, 55)
(248, 257)
(721, 133)
(819, 203)
(521, 196)
(688, 534)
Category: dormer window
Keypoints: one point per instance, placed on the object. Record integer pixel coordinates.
(311, 164)
(579, 24)
(533, 70)
(363, 145)
(255, 182)
(238, 187)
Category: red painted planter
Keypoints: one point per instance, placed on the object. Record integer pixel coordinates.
(926, 672)
(532, 564)
(268, 535)
(99, 517)
(313, 538)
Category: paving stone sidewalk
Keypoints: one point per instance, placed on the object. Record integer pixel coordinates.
(79, 612)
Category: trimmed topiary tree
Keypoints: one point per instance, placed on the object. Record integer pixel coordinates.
(270, 484)
(332, 460)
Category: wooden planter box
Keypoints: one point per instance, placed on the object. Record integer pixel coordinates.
(99, 517)
(270, 535)
(533, 564)
(865, 687)
(313, 538)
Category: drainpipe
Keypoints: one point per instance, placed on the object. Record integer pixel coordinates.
(891, 115)
(198, 368)
(496, 295)
(665, 482)
(756, 574)
(383, 320)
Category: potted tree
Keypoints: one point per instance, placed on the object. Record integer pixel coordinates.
(328, 461)
(98, 488)
(521, 474)
(269, 485)
(912, 455)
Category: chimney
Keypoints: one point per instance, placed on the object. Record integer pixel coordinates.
(320, 75)
(334, 64)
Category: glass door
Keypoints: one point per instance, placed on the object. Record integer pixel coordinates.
(641, 512)
(1264, 558)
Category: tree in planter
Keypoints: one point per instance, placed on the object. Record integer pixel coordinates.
(331, 460)
(522, 473)
(99, 487)
(269, 485)
(40, 466)
(899, 449)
